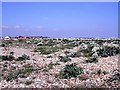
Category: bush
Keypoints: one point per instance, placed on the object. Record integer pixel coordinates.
(70, 45)
(23, 57)
(11, 53)
(66, 52)
(46, 49)
(50, 66)
(28, 82)
(64, 59)
(91, 60)
(2, 45)
(7, 57)
(86, 52)
(108, 51)
(66, 41)
(75, 54)
(71, 71)
(105, 72)
(19, 73)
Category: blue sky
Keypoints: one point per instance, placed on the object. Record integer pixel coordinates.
(70, 19)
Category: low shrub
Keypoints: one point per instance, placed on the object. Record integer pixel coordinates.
(108, 51)
(71, 71)
(50, 66)
(64, 59)
(2, 45)
(7, 57)
(46, 49)
(104, 72)
(23, 57)
(87, 52)
(19, 73)
(28, 82)
(66, 52)
(66, 41)
(91, 60)
(75, 54)
(70, 45)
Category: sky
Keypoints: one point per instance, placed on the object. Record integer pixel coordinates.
(60, 19)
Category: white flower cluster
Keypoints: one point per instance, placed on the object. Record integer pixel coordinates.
(84, 46)
(95, 49)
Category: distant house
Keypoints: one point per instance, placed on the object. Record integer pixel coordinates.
(7, 38)
(37, 37)
(23, 37)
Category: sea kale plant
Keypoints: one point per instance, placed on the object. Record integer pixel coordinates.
(108, 51)
(64, 58)
(71, 71)
(23, 57)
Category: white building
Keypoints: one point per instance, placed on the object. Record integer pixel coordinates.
(7, 38)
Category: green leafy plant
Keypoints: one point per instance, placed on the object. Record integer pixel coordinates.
(19, 73)
(70, 45)
(91, 60)
(11, 53)
(28, 82)
(64, 59)
(71, 71)
(46, 49)
(2, 45)
(50, 66)
(23, 57)
(75, 54)
(108, 51)
(104, 72)
(7, 57)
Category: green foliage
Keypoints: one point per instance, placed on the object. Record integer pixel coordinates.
(87, 52)
(64, 59)
(50, 66)
(75, 54)
(71, 71)
(11, 53)
(105, 72)
(108, 51)
(23, 57)
(66, 41)
(66, 52)
(28, 82)
(91, 60)
(7, 57)
(50, 43)
(2, 45)
(19, 73)
(46, 49)
(70, 45)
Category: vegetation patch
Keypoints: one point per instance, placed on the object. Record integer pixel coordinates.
(91, 60)
(7, 58)
(70, 71)
(108, 51)
(46, 49)
(28, 82)
(19, 73)
(64, 59)
(23, 57)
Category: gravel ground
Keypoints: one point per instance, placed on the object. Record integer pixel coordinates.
(48, 79)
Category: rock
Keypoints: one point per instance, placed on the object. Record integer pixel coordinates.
(62, 55)
(37, 80)
(83, 77)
